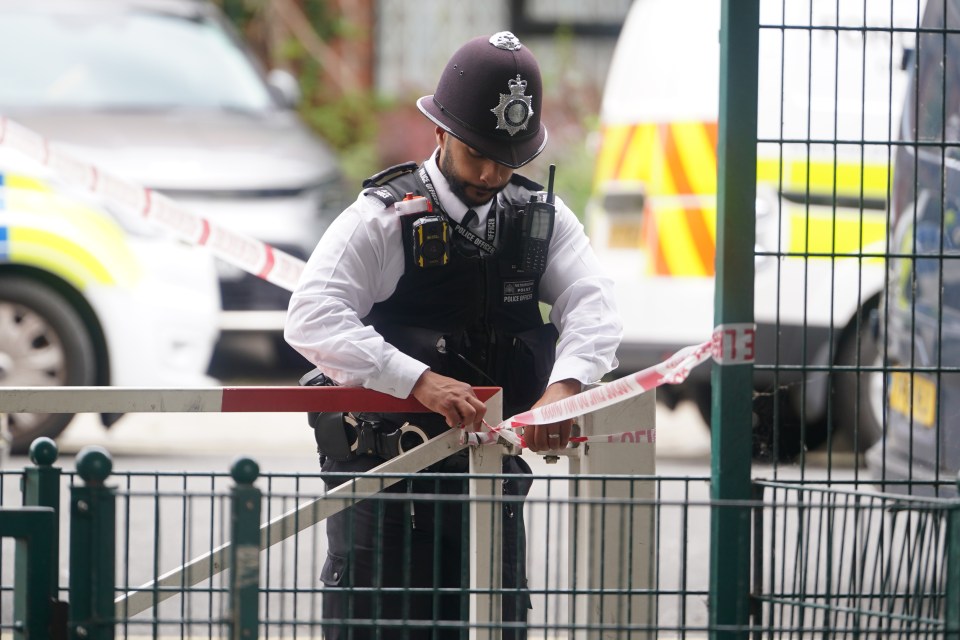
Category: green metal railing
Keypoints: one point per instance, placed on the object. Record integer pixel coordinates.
(38, 614)
(33, 610)
(827, 560)
(847, 563)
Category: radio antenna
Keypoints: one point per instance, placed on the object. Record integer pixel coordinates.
(553, 169)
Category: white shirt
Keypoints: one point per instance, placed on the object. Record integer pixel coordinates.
(360, 259)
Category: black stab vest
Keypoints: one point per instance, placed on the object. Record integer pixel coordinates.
(476, 318)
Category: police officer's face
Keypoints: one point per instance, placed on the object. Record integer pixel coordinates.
(473, 178)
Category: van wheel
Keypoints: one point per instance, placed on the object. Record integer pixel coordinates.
(776, 432)
(859, 394)
(43, 342)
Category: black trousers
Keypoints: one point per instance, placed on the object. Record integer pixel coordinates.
(397, 569)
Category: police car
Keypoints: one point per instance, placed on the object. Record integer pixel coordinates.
(166, 95)
(90, 295)
(920, 311)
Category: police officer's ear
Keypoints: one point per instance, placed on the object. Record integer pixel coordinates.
(441, 137)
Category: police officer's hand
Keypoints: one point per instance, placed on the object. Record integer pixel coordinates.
(556, 435)
(452, 399)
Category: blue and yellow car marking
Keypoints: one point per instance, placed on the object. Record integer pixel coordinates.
(59, 234)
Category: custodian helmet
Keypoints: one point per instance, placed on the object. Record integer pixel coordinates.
(490, 97)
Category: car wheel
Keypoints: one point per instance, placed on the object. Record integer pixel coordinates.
(859, 394)
(43, 342)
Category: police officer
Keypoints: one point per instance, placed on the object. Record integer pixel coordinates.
(431, 303)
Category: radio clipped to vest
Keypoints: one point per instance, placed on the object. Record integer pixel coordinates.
(536, 228)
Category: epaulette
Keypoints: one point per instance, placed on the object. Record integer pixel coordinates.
(382, 194)
(374, 185)
(388, 174)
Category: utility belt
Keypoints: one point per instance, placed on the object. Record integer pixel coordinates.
(344, 436)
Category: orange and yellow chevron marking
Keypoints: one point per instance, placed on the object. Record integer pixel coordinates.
(675, 163)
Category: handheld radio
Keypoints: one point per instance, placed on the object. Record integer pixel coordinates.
(537, 228)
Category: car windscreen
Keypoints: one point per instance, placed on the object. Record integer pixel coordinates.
(123, 60)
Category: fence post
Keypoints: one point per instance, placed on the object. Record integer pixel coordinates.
(731, 431)
(486, 533)
(245, 505)
(41, 488)
(613, 546)
(93, 535)
(32, 592)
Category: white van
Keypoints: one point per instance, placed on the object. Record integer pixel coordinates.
(829, 102)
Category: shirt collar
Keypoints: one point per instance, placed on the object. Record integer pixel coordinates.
(454, 207)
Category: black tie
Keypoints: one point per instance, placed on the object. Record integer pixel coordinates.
(469, 218)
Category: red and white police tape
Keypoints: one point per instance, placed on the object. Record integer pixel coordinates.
(244, 252)
(730, 343)
(637, 436)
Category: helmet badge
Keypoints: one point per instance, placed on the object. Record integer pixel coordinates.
(505, 40)
(515, 109)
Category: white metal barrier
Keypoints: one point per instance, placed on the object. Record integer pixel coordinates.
(628, 531)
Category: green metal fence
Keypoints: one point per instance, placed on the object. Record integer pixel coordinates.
(845, 563)
(824, 560)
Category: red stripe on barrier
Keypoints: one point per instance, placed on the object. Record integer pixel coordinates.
(273, 399)
(94, 177)
(268, 266)
(3, 128)
(204, 232)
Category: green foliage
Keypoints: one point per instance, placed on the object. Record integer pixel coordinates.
(345, 121)
(350, 122)
(350, 125)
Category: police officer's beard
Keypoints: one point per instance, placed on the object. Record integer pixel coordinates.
(459, 186)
